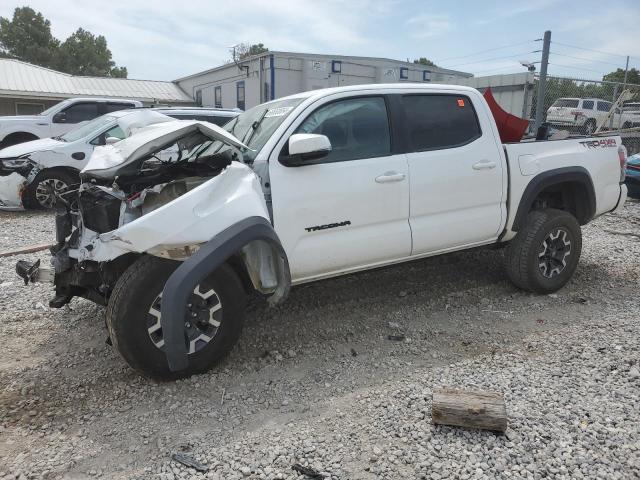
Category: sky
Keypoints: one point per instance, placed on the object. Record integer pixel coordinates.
(166, 39)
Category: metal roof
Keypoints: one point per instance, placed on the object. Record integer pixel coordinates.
(24, 79)
(345, 58)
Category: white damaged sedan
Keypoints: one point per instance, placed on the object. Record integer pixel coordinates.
(32, 173)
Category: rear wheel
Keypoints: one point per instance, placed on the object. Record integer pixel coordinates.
(212, 323)
(42, 192)
(545, 253)
(589, 126)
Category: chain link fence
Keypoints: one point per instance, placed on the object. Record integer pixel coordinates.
(584, 105)
(587, 107)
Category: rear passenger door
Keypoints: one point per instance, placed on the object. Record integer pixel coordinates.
(349, 209)
(456, 172)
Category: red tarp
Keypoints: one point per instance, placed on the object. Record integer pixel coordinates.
(510, 127)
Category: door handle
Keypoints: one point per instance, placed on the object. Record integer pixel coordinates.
(484, 165)
(389, 177)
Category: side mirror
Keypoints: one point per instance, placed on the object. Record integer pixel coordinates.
(304, 148)
(111, 140)
(60, 117)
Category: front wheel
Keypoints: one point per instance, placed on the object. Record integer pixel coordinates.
(42, 192)
(213, 318)
(544, 254)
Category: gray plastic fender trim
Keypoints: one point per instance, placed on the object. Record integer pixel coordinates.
(188, 275)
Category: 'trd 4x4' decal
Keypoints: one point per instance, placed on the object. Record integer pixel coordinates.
(604, 143)
(328, 225)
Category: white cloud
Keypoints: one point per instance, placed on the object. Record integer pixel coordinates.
(165, 39)
(426, 26)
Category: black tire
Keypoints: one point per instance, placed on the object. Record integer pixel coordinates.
(589, 126)
(128, 315)
(32, 199)
(523, 254)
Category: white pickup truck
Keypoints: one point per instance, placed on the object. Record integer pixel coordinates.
(58, 119)
(307, 187)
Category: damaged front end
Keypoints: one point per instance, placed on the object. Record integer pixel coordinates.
(168, 191)
(15, 175)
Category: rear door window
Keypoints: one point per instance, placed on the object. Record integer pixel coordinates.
(440, 121)
(587, 104)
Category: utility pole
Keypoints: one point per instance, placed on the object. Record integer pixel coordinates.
(626, 72)
(542, 82)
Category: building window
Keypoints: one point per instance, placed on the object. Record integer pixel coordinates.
(199, 98)
(336, 66)
(404, 73)
(240, 95)
(218, 96)
(29, 108)
(426, 76)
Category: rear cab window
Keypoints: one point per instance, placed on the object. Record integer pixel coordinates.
(115, 106)
(438, 121)
(566, 102)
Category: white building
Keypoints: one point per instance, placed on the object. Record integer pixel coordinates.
(271, 75)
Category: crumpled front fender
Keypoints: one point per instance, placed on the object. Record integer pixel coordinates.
(190, 220)
(209, 257)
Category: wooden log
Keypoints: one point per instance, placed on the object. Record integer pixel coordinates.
(483, 410)
(27, 249)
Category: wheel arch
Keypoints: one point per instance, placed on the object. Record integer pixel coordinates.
(571, 185)
(251, 244)
(21, 136)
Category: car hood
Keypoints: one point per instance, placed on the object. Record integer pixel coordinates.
(30, 147)
(106, 160)
(20, 118)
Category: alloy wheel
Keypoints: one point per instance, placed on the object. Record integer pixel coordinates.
(47, 191)
(553, 253)
(201, 323)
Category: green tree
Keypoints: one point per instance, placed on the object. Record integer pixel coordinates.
(424, 61)
(618, 76)
(83, 53)
(244, 50)
(28, 37)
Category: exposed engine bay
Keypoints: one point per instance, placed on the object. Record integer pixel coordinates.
(164, 191)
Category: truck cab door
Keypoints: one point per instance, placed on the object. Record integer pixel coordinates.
(349, 209)
(458, 179)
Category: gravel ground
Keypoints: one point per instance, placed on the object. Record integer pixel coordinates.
(317, 382)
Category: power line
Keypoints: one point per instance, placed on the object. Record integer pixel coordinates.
(576, 68)
(484, 51)
(589, 49)
(585, 59)
(494, 58)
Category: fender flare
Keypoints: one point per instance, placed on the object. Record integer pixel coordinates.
(554, 177)
(207, 259)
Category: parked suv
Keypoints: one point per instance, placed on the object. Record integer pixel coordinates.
(584, 114)
(59, 119)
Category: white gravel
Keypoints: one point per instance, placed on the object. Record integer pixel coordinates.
(317, 381)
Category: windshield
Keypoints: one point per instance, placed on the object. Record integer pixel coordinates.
(90, 128)
(255, 126)
(54, 107)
